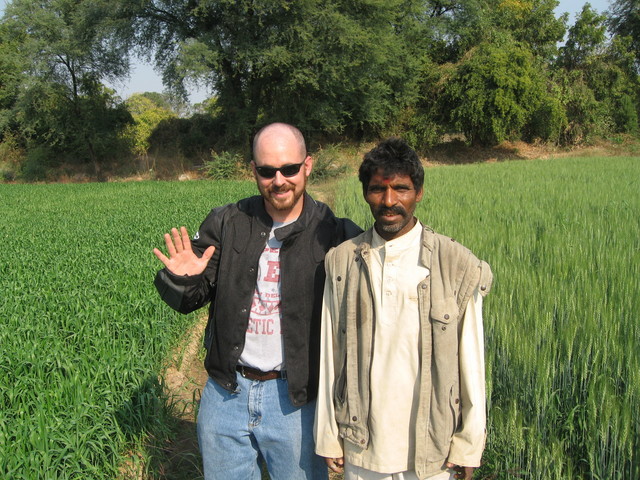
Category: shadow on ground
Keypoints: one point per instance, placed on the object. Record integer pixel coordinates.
(181, 458)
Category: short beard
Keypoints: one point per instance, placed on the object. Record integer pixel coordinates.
(393, 227)
(286, 204)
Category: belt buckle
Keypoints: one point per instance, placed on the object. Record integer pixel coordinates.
(242, 372)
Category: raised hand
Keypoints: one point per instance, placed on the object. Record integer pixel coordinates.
(182, 260)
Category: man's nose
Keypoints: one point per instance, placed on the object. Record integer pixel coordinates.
(279, 179)
(389, 198)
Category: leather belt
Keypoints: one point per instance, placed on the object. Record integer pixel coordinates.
(255, 374)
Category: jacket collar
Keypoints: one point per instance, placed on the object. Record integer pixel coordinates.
(309, 209)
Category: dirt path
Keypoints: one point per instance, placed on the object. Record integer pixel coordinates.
(184, 380)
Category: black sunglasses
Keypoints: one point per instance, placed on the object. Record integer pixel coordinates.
(286, 171)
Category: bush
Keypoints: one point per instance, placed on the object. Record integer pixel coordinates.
(586, 117)
(548, 121)
(326, 164)
(39, 161)
(225, 166)
(493, 92)
(11, 157)
(626, 116)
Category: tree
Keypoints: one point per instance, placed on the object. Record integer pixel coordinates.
(532, 23)
(11, 68)
(331, 66)
(624, 21)
(68, 48)
(492, 93)
(586, 38)
(605, 69)
(148, 110)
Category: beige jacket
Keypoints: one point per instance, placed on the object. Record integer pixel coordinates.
(455, 273)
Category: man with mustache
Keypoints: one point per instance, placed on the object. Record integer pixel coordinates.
(259, 264)
(402, 387)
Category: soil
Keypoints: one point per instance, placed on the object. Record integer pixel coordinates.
(184, 379)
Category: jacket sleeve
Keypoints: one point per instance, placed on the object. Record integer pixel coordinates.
(186, 293)
(468, 442)
(326, 434)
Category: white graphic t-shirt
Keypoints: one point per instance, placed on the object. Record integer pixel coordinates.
(263, 341)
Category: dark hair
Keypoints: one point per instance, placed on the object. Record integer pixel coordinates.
(391, 156)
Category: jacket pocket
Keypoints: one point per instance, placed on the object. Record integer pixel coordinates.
(444, 310)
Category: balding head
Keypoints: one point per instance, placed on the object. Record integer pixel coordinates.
(280, 132)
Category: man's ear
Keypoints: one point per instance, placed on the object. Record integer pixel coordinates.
(308, 165)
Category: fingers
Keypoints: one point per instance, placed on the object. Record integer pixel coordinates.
(335, 464)
(169, 243)
(462, 473)
(182, 260)
(186, 241)
(208, 253)
(161, 256)
(177, 240)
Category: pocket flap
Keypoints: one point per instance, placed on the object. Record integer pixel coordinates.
(444, 310)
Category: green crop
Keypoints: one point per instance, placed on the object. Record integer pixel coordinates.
(83, 333)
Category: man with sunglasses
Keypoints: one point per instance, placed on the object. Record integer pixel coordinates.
(259, 264)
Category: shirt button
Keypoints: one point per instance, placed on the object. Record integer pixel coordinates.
(423, 286)
(263, 234)
(244, 310)
(236, 347)
(252, 270)
(354, 418)
(483, 288)
(446, 316)
(339, 278)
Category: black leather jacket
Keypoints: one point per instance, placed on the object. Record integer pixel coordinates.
(239, 232)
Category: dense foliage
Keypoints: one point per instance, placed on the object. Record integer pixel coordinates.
(489, 70)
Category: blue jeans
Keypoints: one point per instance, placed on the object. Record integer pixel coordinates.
(238, 430)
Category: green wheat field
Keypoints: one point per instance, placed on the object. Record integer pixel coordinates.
(84, 337)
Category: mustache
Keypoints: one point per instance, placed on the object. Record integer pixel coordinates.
(280, 189)
(395, 210)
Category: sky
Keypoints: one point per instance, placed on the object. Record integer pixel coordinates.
(144, 79)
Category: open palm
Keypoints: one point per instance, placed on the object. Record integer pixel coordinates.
(182, 260)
